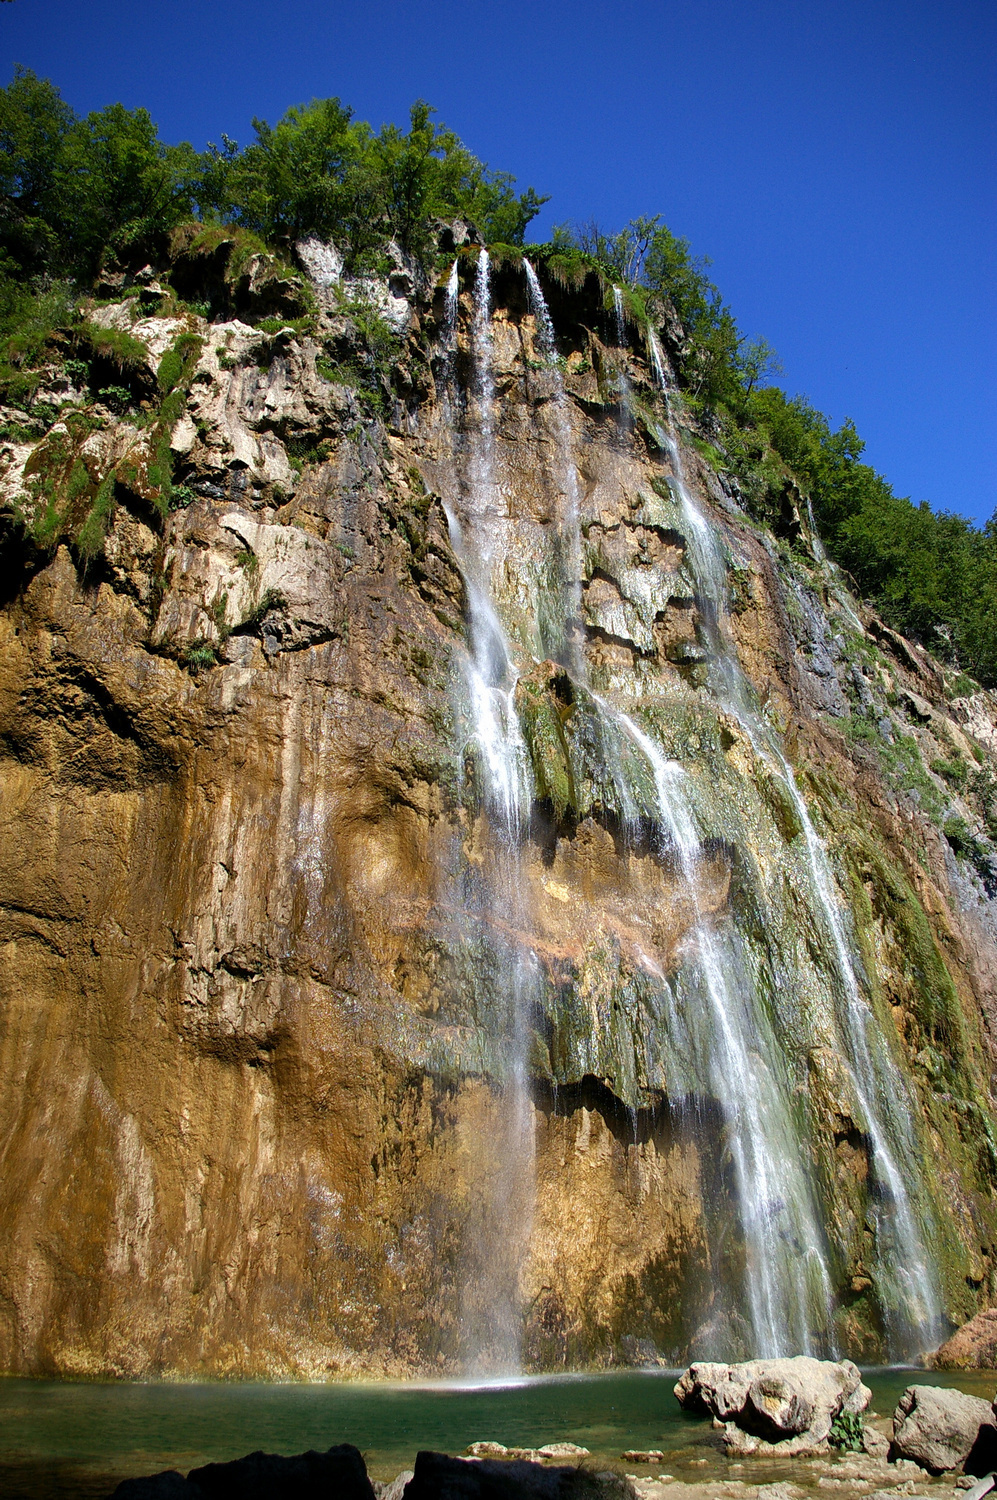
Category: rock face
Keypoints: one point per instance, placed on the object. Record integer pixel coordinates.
(783, 1406)
(971, 1347)
(391, 830)
(942, 1429)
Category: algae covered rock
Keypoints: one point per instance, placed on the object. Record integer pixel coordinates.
(942, 1429)
(784, 1406)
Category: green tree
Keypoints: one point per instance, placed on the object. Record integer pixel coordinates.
(34, 121)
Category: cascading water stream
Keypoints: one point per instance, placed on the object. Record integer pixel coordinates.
(492, 1332)
(722, 1046)
(908, 1278)
(786, 1283)
(622, 378)
(569, 548)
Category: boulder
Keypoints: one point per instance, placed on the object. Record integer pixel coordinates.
(783, 1406)
(439, 1477)
(971, 1347)
(170, 1485)
(942, 1429)
(340, 1471)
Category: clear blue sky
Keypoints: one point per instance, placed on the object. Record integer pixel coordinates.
(835, 159)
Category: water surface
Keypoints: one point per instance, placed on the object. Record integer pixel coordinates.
(62, 1439)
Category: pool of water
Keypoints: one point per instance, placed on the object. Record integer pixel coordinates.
(62, 1439)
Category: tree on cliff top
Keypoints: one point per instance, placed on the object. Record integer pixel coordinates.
(75, 191)
(319, 171)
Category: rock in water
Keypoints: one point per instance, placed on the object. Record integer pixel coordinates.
(782, 1405)
(340, 1473)
(971, 1347)
(439, 1477)
(942, 1429)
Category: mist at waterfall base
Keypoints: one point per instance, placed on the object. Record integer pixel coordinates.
(720, 1021)
(64, 1440)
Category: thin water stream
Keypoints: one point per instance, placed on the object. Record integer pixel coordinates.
(905, 1265)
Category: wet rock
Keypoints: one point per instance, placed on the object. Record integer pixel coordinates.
(783, 1406)
(643, 1456)
(562, 1450)
(971, 1347)
(943, 1429)
(340, 1471)
(439, 1477)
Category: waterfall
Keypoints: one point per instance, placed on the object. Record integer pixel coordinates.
(622, 378)
(720, 1029)
(569, 650)
(786, 1283)
(907, 1279)
(492, 1316)
(723, 1046)
(448, 346)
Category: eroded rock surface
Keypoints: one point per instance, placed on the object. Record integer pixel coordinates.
(256, 1027)
(778, 1406)
(971, 1347)
(945, 1429)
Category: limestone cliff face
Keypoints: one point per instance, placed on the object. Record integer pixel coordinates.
(259, 1112)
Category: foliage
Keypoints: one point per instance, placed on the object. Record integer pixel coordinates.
(78, 189)
(931, 574)
(31, 322)
(79, 192)
(320, 172)
(846, 1432)
(199, 656)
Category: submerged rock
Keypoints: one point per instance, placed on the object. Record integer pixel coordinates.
(971, 1347)
(943, 1429)
(783, 1406)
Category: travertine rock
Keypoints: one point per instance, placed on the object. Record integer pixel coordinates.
(971, 1347)
(253, 1032)
(945, 1429)
(780, 1405)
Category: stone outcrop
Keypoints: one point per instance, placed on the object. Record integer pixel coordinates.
(945, 1429)
(340, 1471)
(254, 998)
(777, 1406)
(971, 1347)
